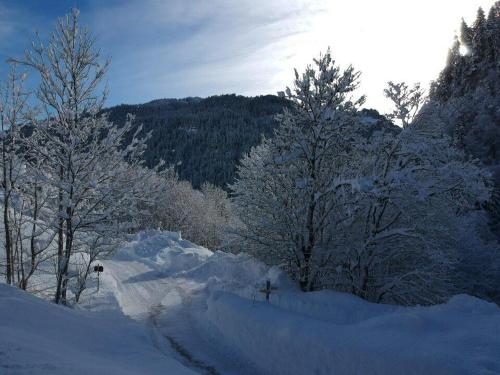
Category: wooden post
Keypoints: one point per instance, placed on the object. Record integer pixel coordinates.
(268, 289)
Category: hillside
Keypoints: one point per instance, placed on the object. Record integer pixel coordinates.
(203, 138)
(467, 91)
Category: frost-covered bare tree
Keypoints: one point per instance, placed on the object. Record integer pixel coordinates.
(291, 187)
(110, 214)
(202, 216)
(418, 202)
(218, 215)
(87, 163)
(14, 112)
(34, 233)
(407, 101)
(24, 200)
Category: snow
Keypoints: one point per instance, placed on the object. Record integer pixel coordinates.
(198, 311)
(209, 304)
(369, 120)
(38, 337)
(460, 337)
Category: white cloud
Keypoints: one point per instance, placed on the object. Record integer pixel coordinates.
(179, 48)
(199, 48)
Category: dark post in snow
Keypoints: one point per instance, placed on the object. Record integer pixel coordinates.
(98, 269)
(268, 289)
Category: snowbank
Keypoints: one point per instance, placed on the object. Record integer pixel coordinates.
(165, 249)
(38, 337)
(210, 305)
(460, 337)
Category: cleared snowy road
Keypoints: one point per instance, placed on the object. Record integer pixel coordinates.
(148, 283)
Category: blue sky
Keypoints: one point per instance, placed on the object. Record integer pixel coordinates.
(179, 48)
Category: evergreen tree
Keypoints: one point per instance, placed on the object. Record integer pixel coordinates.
(466, 96)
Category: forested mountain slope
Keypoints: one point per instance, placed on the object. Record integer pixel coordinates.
(203, 138)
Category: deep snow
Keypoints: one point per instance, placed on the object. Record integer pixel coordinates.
(204, 310)
(209, 304)
(39, 337)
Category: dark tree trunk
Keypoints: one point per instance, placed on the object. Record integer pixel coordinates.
(69, 247)
(8, 240)
(60, 244)
(6, 219)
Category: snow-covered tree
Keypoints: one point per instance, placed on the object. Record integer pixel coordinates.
(23, 196)
(202, 216)
(34, 232)
(407, 101)
(465, 98)
(87, 163)
(416, 200)
(290, 188)
(218, 214)
(14, 112)
(378, 214)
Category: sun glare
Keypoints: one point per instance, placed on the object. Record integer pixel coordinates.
(385, 40)
(463, 50)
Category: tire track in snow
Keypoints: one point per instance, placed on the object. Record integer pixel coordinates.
(186, 357)
(182, 329)
(157, 291)
(142, 300)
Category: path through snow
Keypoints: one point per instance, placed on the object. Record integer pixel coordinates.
(150, 282)
(202, 305)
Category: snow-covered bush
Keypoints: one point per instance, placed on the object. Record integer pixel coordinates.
(405, 239)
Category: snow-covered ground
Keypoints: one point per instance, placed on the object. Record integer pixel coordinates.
(39, 337)
(208, 306)
(203, 311)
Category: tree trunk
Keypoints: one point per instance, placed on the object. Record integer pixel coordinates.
(67, 255)
(8, 239)
(82, 282)
(60, 242)
(69, 245)
(33, 250)
(307, 250)
(305, 273)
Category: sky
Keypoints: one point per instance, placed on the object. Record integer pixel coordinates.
(180, 48)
